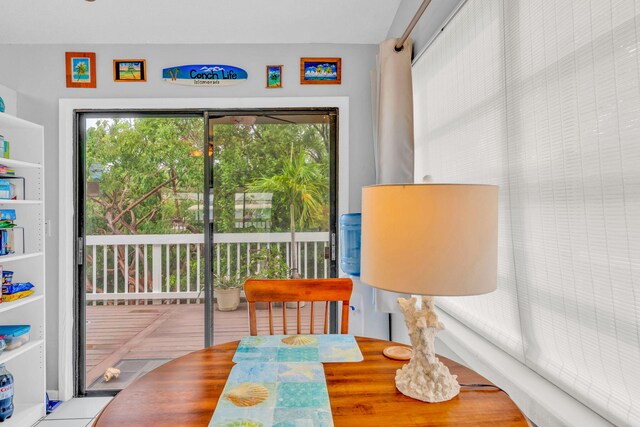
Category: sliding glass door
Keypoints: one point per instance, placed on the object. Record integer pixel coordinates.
(172, 204)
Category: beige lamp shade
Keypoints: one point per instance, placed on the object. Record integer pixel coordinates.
(430, 239)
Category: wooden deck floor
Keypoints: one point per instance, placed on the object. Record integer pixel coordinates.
(167, 331)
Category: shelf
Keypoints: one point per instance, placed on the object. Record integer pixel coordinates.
(27, 363)
(25, 414)
(12, 354)
(20, 202)
(8, 258)
(9, 120)
(6, 306)
(18, 163)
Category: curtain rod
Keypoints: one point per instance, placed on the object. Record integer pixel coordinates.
(437, 34)
(412, 25)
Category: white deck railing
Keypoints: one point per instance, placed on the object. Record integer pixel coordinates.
(171, 266)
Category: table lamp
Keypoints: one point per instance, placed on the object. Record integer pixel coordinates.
(429, 240)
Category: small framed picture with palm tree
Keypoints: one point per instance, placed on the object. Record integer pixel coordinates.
(129, 70)
(274, 76)
(81, 69)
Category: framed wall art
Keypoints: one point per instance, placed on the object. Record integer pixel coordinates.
(317, 71)
(274, 76)
(129, 70)
(80, 69)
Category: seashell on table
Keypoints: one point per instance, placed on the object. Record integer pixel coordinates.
(298, 340)
(247, 394)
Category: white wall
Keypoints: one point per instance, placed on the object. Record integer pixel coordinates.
(37, 73)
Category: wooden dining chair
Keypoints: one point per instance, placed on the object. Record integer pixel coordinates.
(298, 290)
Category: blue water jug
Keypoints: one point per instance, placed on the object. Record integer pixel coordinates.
(350, 229)
(6, 393)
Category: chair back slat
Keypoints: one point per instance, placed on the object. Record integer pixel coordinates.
(284, 317)
(312, 320)
(298, 290)
(326, 317)
(270, 319)
(253, 330)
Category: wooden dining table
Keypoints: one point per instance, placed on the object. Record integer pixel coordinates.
(185, 391)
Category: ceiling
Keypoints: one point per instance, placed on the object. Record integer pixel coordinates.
(195, 21)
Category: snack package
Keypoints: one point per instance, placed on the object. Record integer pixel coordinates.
(7, 277)
(16, 296)
(16, 287)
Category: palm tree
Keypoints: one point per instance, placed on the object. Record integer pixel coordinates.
(273, 77)
(81, 69)
(304, 185)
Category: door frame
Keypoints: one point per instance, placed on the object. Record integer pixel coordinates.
(67, 267)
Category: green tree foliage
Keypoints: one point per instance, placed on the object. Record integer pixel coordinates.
(152, 164)
(149, 165)
(247, 154)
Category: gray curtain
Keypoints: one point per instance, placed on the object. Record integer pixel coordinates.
(392, 100)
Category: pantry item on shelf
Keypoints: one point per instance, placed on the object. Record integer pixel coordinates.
(7, 241)
(6, 191)
(7, 277)
(6, 149)
(6, 393)
(5, 146)
(110, 374)
(15, 335)
(7, 171)
(6, 224)
(3, 345)
(8, 214)
(13, 288)
(16, 296)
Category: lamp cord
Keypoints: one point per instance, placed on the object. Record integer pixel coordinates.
(485, 385)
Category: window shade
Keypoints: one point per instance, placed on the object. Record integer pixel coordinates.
(543, 99)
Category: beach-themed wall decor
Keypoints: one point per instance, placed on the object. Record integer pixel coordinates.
(318, 71)
(129, 70)
(204, 75)
(274, 76)
(80, 69)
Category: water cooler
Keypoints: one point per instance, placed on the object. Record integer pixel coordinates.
(364, 320)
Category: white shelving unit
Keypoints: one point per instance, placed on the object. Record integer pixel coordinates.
(26, 363)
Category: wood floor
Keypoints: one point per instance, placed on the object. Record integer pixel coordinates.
(167, 331)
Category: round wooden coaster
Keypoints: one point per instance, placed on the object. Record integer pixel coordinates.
(398, 352)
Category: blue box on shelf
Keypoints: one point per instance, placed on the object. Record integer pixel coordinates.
(15, 335)
(5, 189)
(8, 214)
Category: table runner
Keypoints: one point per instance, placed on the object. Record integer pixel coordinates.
(261, 394)
(298, 348)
